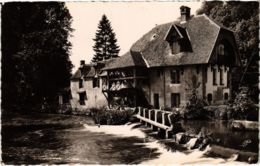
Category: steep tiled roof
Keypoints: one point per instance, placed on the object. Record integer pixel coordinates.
(91, 72)
(201, 31)
(79, 73)
(76, 75)
(129, 59)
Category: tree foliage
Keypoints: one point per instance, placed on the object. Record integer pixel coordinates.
(105, 41)
(194, 108)
(243, 106)
(242, 18)
(35, 53)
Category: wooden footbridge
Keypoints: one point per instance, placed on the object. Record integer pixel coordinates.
(156, 118)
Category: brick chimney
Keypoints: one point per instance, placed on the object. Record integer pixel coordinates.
(185, 13)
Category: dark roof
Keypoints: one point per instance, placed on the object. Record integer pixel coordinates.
(91, 72)
(201, 31)
(88, 70)
(81, 72)
(76, 75)
(129, 59)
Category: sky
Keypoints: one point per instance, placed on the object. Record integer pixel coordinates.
(129, 20)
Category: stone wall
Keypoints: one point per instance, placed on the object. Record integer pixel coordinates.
(199, 77)
(162, 85)
(94, 96)
(157, 85)
(217, 91)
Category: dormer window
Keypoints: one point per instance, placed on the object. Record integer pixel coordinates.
(175, 47)
(178, 39)
(221, 49)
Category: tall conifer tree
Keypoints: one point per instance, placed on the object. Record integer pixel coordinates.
(105, 41)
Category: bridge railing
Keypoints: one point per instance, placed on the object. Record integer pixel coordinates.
(158, 118)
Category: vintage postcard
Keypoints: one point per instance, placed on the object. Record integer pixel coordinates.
(135, 82)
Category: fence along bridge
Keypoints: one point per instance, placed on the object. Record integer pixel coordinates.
(156, 118)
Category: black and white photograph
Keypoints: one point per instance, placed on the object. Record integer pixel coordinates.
(129, 82)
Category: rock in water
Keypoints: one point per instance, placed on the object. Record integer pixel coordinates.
(237, 126)
(233, 157)
(193, 143)
(179, 138)
(252, 160)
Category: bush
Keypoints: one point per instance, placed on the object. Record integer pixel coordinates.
(221, 112)
(104, 116)
(194, 109)
(243, 107)
(65, 109)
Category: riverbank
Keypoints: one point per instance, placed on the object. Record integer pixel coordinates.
(166, 155)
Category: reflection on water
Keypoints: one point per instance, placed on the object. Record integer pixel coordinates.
(227, 137)
(60, 139)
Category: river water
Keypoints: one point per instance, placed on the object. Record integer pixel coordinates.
(63, 139)
(227, 137)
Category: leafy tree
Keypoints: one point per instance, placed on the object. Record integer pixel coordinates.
(105, 41)
(243, 106)
(35, 53)
(242, 18)
(194, 108)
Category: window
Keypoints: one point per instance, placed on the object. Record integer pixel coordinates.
(209, 98)
(95, 82)
(228, 77)
(175, 47)
(198, 69)
(159, 72)
(221, 50)
(221, 77)
(175, 76)
(175, 100)
(80, 83)
(225, 96)
(214, 71)
(82, 97)
(156, 100)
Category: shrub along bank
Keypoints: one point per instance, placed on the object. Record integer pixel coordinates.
(106, 116)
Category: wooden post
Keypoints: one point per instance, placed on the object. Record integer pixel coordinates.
(108, 89)
(149, 116)
(155, 115)
(139, 111)
(145, 116)
(134, 76)
(158, 129)
(163, 119)
(166, 134)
